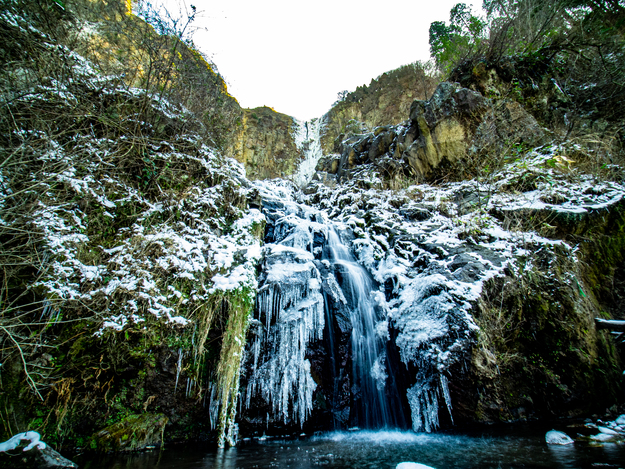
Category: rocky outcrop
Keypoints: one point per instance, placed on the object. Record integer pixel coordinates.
(385, 101)
(446, 136)
(134, 433)
(265, 145)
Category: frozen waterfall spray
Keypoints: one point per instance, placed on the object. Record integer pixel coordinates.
(308, 141)
(329, 341)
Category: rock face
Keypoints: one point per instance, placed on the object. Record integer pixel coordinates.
(134, 433)
(386, 101)
(112, 37)
(445, 136)
(264, 144)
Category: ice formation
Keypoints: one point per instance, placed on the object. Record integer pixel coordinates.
(307, 139)
(289, 315)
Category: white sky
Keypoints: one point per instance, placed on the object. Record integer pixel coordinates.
(296, 56)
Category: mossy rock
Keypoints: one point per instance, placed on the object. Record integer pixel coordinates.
(134, 433)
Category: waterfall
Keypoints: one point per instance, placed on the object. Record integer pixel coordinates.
(372, 394)
(307, 139)
(309, 275)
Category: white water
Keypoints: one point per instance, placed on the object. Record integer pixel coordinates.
(307, 139)
(367, 344)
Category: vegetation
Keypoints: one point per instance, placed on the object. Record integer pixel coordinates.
(562, 59)
(116, 216)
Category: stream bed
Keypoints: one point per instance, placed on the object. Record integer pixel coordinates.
(519, 447)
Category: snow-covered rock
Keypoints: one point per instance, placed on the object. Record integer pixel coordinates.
(606, 437)
(554, 437)
(607, 430)
(412, 465)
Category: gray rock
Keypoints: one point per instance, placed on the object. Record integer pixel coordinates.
(555, 437)
(34, 458)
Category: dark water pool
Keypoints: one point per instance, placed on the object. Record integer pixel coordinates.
(521, 448)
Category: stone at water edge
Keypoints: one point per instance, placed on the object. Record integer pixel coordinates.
(620, 420)
(134, 433)
(15, 453)
(554, 437)
(607, 430)
(605, 437)
(412, 465)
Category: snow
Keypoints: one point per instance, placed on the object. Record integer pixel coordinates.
(554, 437)
(412, 465)
(14, 442)
(307, 139)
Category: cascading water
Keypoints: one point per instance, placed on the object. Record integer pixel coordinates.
(309, 273)
(376, 403)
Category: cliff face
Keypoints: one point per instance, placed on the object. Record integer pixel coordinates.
(264, 144)
(124, 45)
(385, 101)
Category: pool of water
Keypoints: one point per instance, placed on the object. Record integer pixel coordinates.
(518, 448)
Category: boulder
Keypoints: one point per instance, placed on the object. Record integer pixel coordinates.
(134, 433)
(26, 451)
(555, 437)
(412, 465)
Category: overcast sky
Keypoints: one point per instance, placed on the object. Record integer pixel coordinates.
(296, 56)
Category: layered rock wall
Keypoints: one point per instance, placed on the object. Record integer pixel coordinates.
(446, 136)
(265, 144)
(385, 101)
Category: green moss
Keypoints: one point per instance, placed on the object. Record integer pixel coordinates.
(133, 433)
(239, 304)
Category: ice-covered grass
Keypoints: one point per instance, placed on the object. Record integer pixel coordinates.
(125, 221)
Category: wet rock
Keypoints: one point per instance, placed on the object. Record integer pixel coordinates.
(26, 451)
(555, 437)
(35, 458)
(134, 433)
(412, 465)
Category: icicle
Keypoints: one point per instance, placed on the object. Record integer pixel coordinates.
(178, 367)
(289, 315)
(446, 396)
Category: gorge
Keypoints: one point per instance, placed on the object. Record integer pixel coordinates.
(428, 255)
